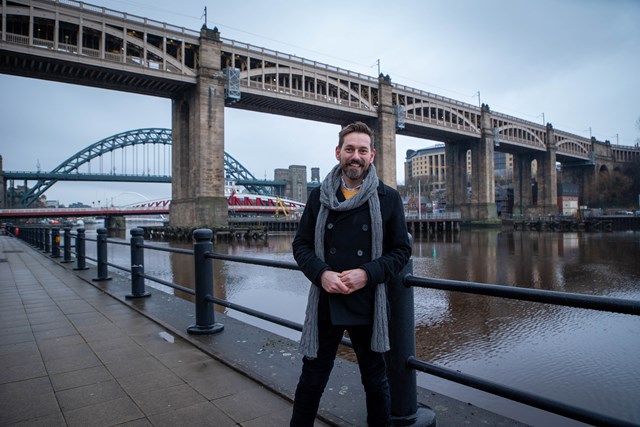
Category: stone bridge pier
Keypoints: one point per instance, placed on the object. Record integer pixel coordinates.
(545, 201)
(522, 189)
(197, 184)
(385, 134)
(547, 177)
(587, 175)
(480, 204)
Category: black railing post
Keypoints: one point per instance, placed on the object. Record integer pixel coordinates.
(66, 251)
(47, 239)
(101, 250)
(38, 238)
(81, 261)
(137, 265)
(402, 336)
(205, 317)
(55, 243)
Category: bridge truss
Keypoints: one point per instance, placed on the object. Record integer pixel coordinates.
(141, 151)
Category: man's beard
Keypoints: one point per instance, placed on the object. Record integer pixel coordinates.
(355, 174)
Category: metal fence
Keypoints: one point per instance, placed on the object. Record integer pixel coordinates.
(403, 363)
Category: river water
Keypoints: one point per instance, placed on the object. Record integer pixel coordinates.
(581, 357)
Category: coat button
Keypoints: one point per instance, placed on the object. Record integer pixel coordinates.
(360, 253)
(365, 227)
(330, 226)
(332, 251)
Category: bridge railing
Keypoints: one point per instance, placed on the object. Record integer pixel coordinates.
(433, 215)
(236, 46)
(403, 364)
(140, 20)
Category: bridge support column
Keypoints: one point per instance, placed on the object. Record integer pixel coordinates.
(197, 185)
(583, 176)
(522, 194)
(547, 202)
(385, 137)
(456, 159)
(587, 175)
(483, 192)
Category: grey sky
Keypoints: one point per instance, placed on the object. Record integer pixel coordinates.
(576, 61)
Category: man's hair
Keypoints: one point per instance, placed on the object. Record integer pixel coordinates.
(354, 127)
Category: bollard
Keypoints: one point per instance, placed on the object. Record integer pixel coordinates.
(55, 243)
(45, 243)
(402, 335)
(205, 316)
(66, 258)
(47, 240)
(101, 250)
(137, 265)
(80, 251)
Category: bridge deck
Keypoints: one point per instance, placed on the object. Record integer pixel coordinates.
(76, 352)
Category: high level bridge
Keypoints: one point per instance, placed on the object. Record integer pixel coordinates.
(79, 43)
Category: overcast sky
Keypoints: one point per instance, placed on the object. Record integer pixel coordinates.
(575, 61)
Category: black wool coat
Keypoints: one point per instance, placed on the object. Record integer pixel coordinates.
(347, 245)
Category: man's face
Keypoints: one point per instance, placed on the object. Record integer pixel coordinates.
(355, 156)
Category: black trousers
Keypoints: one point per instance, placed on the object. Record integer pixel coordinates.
(315, 375)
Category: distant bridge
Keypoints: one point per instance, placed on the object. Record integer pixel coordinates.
(143, 156)
(83, 212)
(239, 204)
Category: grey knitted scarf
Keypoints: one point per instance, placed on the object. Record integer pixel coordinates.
(329, 201)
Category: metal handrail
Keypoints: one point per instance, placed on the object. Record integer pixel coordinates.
(285, 265)
(168, 284)
(568, 299)
(164, 249)
(531, 399)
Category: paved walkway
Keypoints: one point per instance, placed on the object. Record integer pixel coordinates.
(72, 355)
(76, 352)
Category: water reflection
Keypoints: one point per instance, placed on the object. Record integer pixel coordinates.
(581, 357)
